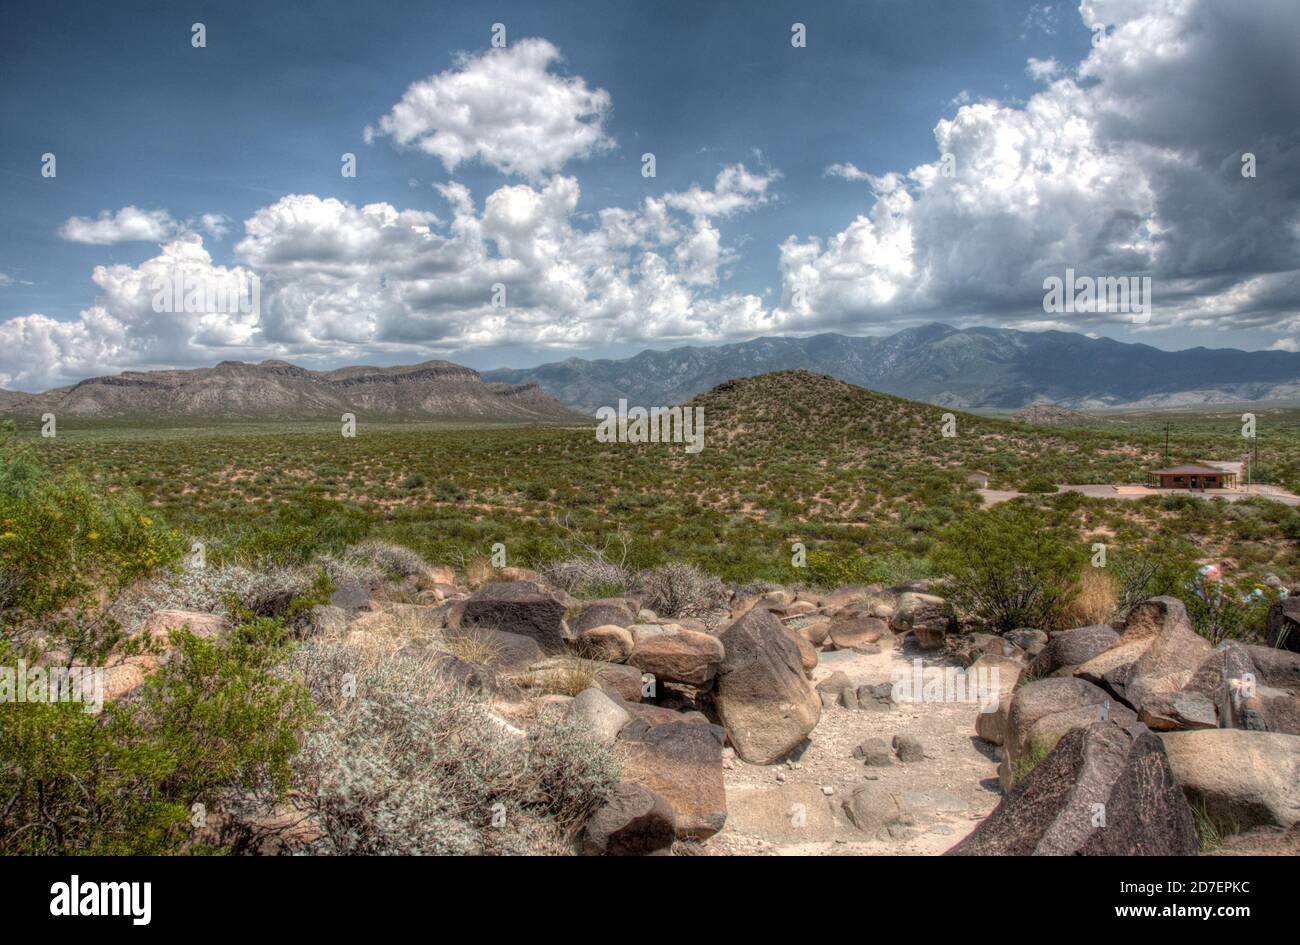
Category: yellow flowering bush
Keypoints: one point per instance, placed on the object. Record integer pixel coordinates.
(61, 538)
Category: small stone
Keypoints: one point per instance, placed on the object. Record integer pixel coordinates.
(874, 753)
(828, 790)
(908, 748)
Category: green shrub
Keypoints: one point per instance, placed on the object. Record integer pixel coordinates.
(214, 720)
(60, 539)
(828, 569)
(1039, 484)
(1227, 609)
(1010, 567)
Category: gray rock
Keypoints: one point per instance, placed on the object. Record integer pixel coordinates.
(511, 651)
(909, 748)
(764, 701)
(877, 811)
(1242, 778)
(1284, 624)
(681, 762)
(1104, 790)
(351, 595)
(521, 607)
(835, 683)
(876, 696)
(1027, 638)
(874, 753)
(1072, 647)
(687, 657)
(599, 714)
(598, 613)
(1044, 710)
(633, 822)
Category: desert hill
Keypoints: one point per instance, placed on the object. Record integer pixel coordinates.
(279, 390)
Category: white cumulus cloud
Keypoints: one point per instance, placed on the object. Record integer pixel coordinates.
(129, 224)
(505, 107)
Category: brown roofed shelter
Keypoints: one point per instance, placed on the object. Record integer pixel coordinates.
(1192, 476)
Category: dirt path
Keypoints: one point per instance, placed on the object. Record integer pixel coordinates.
(948, 792)
(994, 496)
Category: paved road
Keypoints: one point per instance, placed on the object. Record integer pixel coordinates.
(994, 496)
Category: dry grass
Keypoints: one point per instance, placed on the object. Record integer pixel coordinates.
(1096, 600)
(566, 679)
(471, 647)
(479, 571)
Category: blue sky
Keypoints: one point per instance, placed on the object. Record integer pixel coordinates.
(181, 147)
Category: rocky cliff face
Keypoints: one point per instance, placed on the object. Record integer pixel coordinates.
(277, 389)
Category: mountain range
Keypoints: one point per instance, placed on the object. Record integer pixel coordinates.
(277, 389)
(969, 368)
(993, 368)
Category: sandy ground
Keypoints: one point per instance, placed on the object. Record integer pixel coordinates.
(947, 793)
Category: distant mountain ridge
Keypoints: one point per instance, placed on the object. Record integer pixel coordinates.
(278, 389)
(975, 367)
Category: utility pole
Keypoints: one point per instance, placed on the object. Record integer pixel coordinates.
(1167, 425)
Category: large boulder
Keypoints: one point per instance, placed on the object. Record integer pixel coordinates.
(161, 623)
(521, 607)
(1152, 662)
(1216, 694)
(763, 698)
(970, 647)
(608, 642)
(816, 631)
(570, 674)
(1242, 779)
(1069, 648)
(849, 632)
(632, 822)
(925, 616)
(1284, 624)
(1155, 684)
(681, 762)
(845, 596)
(686, 657)
(1274, 703)
(1044, 710)
(1278, 668)
(1104, 790)
(599, 714)
(598, 613)
(991, 722)
(807, 652)
(508, 651)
